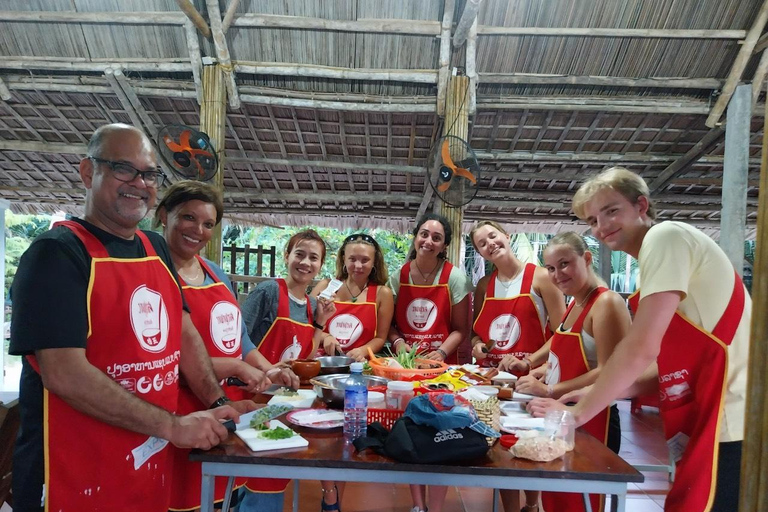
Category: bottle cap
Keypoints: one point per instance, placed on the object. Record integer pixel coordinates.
(356, 367)
(399, 385)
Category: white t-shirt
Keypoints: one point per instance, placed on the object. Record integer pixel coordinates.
(677, 257)
(512, 289)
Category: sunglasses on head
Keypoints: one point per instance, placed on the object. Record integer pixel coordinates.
(357, 237)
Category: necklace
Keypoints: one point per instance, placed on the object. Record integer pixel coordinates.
(192, 279)
(354, 297)
(589, 294)
(424, 277)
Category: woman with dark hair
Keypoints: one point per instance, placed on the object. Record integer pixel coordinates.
(431, 312)
(363, 315)
(285, 323)
(188, 213)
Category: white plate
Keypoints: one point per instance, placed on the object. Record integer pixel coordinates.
(521, 422)
(504, 377)
(316, 418)
(256, 443)
(522, 397)
(303, 400)
(512, 408)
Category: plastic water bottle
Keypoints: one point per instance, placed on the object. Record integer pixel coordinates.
(355, 403)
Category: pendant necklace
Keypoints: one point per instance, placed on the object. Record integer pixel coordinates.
(354, 297)
(192, 279)
(425, 277)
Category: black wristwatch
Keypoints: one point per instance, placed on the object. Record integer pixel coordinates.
(317, 325)
(219, 402)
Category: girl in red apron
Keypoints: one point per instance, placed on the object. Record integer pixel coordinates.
(514, 308)
(362, 319)
(431, 312)
(280, 319)
(594, 322)
(189, 212)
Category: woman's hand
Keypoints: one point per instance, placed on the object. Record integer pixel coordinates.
(531, 386)
(402, 347)
(435, 356)
(512, 364)
(576, 395)
(255, 380)
(477, 351)
(325, 310)
(358, 354)
(283, 376)
(539, 372)
(539, 407)
(331, 345)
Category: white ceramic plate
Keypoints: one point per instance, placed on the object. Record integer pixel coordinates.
(316, 418)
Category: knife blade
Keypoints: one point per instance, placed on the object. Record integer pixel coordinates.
(279, 389)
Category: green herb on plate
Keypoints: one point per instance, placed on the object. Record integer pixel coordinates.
(277, 433)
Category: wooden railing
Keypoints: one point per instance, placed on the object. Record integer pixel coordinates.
(243, 283)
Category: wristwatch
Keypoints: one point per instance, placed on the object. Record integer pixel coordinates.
(219, 402)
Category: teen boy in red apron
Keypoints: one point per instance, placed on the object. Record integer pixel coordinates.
(423, 312)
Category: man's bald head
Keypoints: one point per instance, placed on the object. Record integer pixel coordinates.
(104, 134)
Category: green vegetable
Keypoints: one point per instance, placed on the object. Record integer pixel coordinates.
(267, 413)
(277, 433)
(407, 358)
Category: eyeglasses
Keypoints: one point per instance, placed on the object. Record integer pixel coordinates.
(127, 173)
(361, 237)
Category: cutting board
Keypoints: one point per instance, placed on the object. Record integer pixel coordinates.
(258, 444)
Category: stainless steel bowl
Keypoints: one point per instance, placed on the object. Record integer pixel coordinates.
(333, 395)
(334, 364)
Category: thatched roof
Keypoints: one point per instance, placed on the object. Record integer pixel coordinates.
(340, 100)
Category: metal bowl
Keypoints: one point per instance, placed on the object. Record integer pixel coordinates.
(334, 364)
(334, 395)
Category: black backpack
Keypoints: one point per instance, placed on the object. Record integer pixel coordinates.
(409, 442)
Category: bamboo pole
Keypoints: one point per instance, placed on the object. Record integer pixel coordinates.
(754, 464)
(468, 18)
(213, 114)
(426, 76)
(742, 59)
(443, 73)
(603, 81)
(231, 9)
(5, 93)
(195, 58)
(195, 17)
(222, 52)
(643, 33)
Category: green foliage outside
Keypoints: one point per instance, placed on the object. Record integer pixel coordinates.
(20, 230)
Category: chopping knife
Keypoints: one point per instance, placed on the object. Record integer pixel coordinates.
(279, 389)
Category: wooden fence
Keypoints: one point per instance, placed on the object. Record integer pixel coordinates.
(243, 283)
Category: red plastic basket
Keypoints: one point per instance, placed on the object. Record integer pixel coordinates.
(386, 417)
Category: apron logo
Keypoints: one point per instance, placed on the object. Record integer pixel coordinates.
(553, 369)
(346, 329)
(421, 314)
(292, 351)
(674, 386)
(225, 327)
(505, 329)
(149, 318)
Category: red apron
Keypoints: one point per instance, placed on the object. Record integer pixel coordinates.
(134, 336)
(216, 316)
(355, 323)
(568, 360)
(513, 323)
(423, 312)
(277, 345)
(693, 364)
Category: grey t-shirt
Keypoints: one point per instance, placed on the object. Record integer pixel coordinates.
(260, 311)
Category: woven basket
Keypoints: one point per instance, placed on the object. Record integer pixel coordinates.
(380, 368)
(488, 413)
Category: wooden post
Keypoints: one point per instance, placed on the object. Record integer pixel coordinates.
(457, 124)
(733, 218)
(754, 464)
(213, 113)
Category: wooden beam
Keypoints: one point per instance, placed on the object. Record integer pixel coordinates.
(60, 65)
(470, 59)
(323, 164)
(487, 30)
(761, 44)
(338, 105)
(42, 147)
(594, 103)
(195, 17)
(111, 17)
(231, 9)
(602, 81)
(136, 104)
(124, 101)
(444, 62)
(373, 26)
(681, 164)
(195, 59)
(468, 17)
(759, 79)
(222, 52)
(742, 59)
(288, 69)
(5, 93)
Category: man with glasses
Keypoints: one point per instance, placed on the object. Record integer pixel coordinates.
(99, 316)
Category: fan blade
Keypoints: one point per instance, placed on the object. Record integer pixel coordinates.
(184, 139)
(446, 155)
(444, 186)
(169, 142)
(464, 173)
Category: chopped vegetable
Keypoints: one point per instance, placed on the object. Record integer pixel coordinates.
(277, 433)
(267, 413)
(286, 392)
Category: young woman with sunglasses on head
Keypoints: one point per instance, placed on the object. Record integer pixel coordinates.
(431, 312)
(285, 323)
(594, 322)
(364, 305)
(363, 315)
(513, 308)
